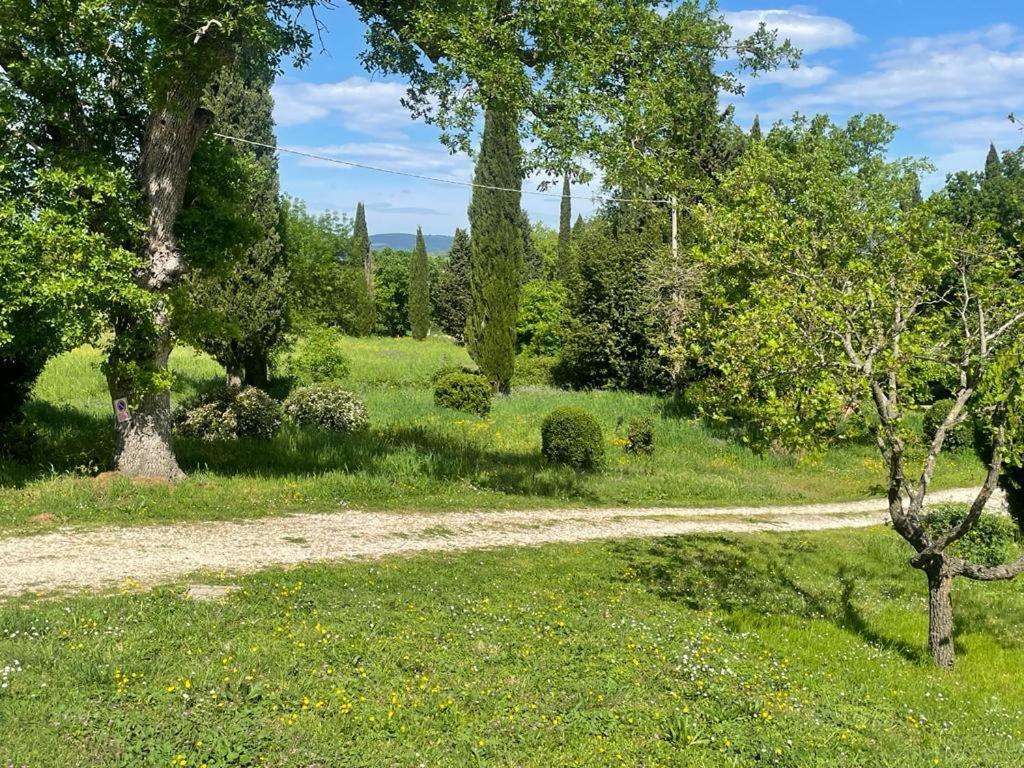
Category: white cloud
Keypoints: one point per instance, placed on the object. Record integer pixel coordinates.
(356, 103)
(802, 77)
(806, 30)
(968, 73)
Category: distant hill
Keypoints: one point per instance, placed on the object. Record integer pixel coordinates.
(404, 241)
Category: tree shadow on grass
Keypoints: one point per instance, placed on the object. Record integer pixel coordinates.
(742, 580)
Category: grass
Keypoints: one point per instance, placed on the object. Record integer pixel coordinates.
(767, 649)
(414, 456)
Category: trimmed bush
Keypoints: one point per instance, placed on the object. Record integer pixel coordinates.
(466, 392)
(960, 436)
(228, 413)
(326, 406)
(640, 436)
(317, 358)
(445, 371)
(992, 540)
(572, 437)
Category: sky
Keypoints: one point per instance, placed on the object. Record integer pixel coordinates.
(947, 72)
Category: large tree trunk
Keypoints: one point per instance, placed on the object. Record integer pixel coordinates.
(144, 445)
(940, 616)
(256, 369)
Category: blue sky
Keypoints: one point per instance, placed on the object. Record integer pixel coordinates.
(948, 72)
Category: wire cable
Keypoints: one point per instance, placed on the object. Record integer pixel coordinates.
(421, 177)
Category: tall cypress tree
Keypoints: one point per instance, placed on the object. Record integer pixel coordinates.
(362, 256)
(755, 129)
(497, 248)
(533, 259)
(452, 294)
(564, 260)
(993, 163)
(419, 289)
(247, 305)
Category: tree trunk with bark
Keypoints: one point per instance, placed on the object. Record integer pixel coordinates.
(940, 616)
(144, 443)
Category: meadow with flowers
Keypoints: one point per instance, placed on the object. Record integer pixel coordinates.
(780, 650)
(413, 456)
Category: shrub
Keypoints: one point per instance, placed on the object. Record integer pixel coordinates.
(571, 436)
(534, 370)
(228, 413)
(447, 370)
(960, 436)
(317, 358)
(640, 436)
(466, 392)
(326, 406)
(541, 316)
(992, 540)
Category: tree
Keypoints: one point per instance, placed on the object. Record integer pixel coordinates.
(452, 296)
(497, 248)
(565, 235)
(823, 292)
(609, 335)
(419, 289)
(363, 254)
(755, 129)
(239, 305)
(533, 259)
(993, 165)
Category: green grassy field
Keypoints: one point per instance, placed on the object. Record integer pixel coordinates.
(414, 455)
(781, 650)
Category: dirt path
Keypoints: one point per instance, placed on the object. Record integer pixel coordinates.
(74, 560)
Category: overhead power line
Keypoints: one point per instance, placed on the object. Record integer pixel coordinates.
(421, 177)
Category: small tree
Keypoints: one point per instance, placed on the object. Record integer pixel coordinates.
(565, 235)
(362, 256)
(419, 289)
(452, 297)
(497, 249)
(823, 292)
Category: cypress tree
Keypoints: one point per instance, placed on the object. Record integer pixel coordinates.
(247, 304)
(993, 164)
(533, 259)
(497, 248)
(419, 289)
(564, 260)
(362, 257)
(755, 129)
(452, 295)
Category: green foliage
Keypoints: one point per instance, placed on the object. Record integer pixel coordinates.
(452, 296)
(572, 436)
(640, 436)
(993, 540)
(445, 371)
(236, 306)
(565, 260)
(326, 406)
(466, 392)
(320, 286)
(960, 436)
(535, 370)
(610, 333)
(497, 249)
(419, 290)
(228, 413)
(364, 313)
(542, 316)
(64, 268)
(317, 357)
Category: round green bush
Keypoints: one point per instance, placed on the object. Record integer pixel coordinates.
(572, 437)
(228, 413)
(326, 406)
(960, 436)
(317, 357)
(447, 370)
(466, 392)
(640, 436)
(992, 540)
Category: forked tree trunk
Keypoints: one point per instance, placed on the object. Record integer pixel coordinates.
(940, 616)
(144, 444)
